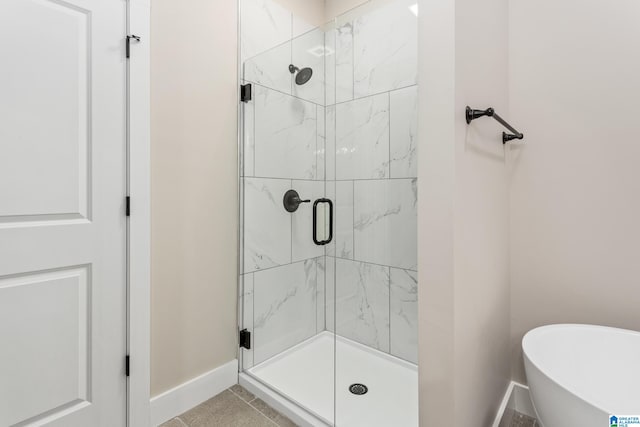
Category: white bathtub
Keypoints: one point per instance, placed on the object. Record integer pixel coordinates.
(580, 374)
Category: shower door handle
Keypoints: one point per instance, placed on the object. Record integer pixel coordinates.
(328, 238)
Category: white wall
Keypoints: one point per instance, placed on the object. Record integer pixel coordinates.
(463, 222)
(436, 170)
(194, 191)
(575, 191)
(481, 214)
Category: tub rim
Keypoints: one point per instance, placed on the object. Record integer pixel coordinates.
(569, 326)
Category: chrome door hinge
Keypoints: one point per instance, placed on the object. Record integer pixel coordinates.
(129, 38)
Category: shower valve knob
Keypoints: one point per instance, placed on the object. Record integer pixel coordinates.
(292, 200)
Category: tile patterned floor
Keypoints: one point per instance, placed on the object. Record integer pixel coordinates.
(521, 420)
(235, 407)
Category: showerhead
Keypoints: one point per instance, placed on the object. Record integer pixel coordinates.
(303, 76)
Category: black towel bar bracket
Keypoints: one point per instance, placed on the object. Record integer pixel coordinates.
(472, 114)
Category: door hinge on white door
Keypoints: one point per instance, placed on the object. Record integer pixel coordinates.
(129, 38)
(126, 365)
(127, 206)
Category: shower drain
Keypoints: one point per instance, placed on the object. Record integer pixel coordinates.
(358, 389)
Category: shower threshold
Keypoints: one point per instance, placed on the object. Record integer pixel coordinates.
(299, 382)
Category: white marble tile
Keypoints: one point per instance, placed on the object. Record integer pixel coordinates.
(321, 144)
(341, 193)
(330, 193)
(330, 293)
(322, 132)
(267, 225)
(385, 225)
(284, 307)
(362, 138)
(385, 49)
(301, 26)
(263, 24)
(271, 68)
(343, 233)
(330, 142)
(404, 132)
(247, 316)
(308, 51)
(404, 314)
(362, 303)
(285, 136)
(302, 221)
(344, 63)
(248, 146)
(320, 294)
(330, 66)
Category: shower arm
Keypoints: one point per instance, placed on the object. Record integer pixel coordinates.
(472, 114)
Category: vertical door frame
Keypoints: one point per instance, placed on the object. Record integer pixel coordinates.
(139, 226)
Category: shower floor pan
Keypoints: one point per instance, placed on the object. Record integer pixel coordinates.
(299, 382)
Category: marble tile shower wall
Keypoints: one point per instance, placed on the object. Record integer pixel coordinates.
(371, 122)
(282, 269)
(349, 134)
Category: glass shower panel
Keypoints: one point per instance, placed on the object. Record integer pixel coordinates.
(372, 178)
(283, 270)
(329, 273)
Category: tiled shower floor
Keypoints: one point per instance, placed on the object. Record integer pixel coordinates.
(305, 374)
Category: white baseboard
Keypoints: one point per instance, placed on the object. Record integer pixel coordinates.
(179, 399)
(516, 398)
(521, 400)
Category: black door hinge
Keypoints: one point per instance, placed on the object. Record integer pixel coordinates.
(129, 38)
(245, 92)
(245, 339)
(127, 206)
(126, 365)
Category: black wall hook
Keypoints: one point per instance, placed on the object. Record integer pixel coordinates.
(471, 114)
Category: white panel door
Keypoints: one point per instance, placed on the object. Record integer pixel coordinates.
(62, 223)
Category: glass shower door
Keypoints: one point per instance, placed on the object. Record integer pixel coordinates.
(328, 210)
(372, 178)
(285, 211)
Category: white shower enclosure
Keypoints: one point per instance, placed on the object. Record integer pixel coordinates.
(330, 330)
